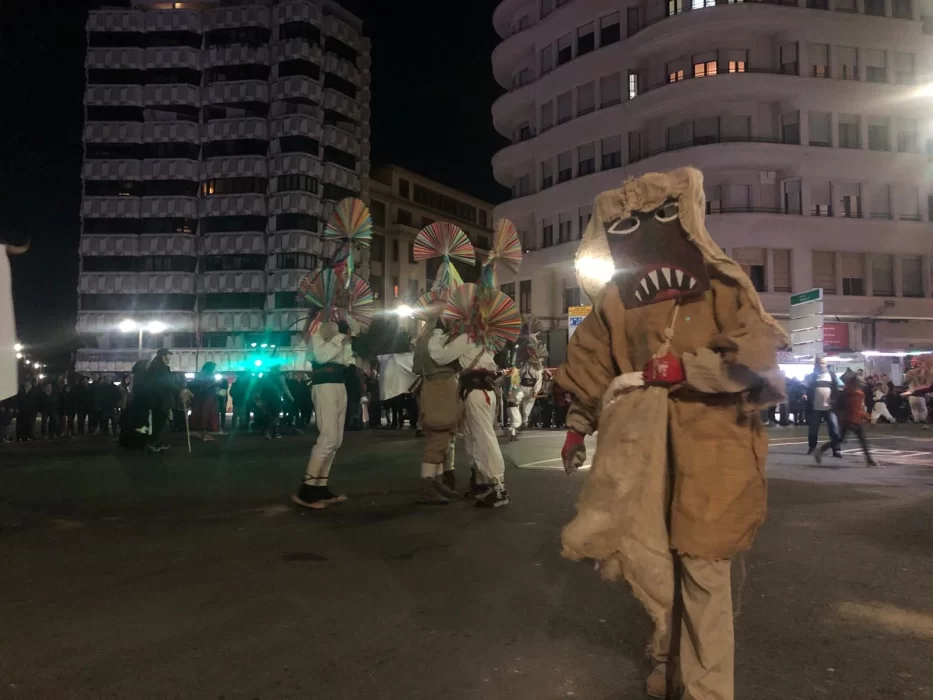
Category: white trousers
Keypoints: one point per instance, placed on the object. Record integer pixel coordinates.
(528, 403)
(515, 413)
(918, 407)
(880, 410)
(479, 436)
(330, 411)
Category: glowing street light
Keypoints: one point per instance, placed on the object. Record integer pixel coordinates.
(404, 310)
(19, 356)
(154, 327)
(18, 347)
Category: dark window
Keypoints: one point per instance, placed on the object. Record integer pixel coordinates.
(394, 250)
(233, 224)
(173, 76)
(442, 202)
(547, 236)
(114, 39)
(547, 181)
(141, 302)
(300, 30)
(111, 226)
(240, 147)
(336, 192)
(242, 109)
(425, 221)
(332, 117)
(849, 135)
(403, 216)
(109, 263)
(173, 150)
(524, 296)
(234, 185)
(586, 166)
(123, 76)
(564, 55)
(377, 248)
(169, 188)
(287, 300)
(172, 38)
(183, 340)
(128, 151)
(342, 158)
(214, 340)
(218, 263)
(876, 74)
(338, 48)
(612, 160)
(586, 43)
(114, 114)
(818, 4)
(902, 9)
(377, 210)
(111, 188)
(377, 284)
(297, 66)
(610, 34)
(411, 254)
(182, 113)
(564, 174)
(168, 225)
(509, 290)
(251, 36)
(571, 297)
(235, 300)
(874, 7)
(295, 261)
(296, 183)
(303, 222)
(878, 138)
(853, 287)
(168, 263)
(632, 21)
(907, 142)
(341, 85)
(403, 185)
(756, 273)
(219, 74)
(299, 144)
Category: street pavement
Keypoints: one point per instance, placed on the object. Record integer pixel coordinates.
(129, 575)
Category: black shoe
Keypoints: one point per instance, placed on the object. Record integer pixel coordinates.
(493, 498)
(811, 451)
(311, 497)
(450, 479)
(332, 497)
(837, 455)
(871, 463)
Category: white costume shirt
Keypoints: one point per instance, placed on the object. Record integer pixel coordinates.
(461, 350)
(333, 350)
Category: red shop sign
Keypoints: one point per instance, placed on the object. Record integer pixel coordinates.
(835, 336)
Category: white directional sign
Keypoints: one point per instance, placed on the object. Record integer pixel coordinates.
(806, 323)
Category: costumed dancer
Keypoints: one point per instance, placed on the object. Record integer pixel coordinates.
(672, 366)
(880, 409)
(532, 378)
(852, 416)
(919, 377)
(514, 399)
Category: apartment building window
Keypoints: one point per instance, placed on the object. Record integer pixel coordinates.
(586, 39)
(522, 186)
(403, 188)
(714, 199)
(845, 6)
(586, 159)
(849, 131)
(930, 207)
(882, 275)
(586, 98)
(820, 198)
(704, 64)
(874, 7)
(847, 57)
(904, 70)
(584, 214)
(547, 174)
(739, 198)
(878, 139)
(880, 201)
(849, 199)
(547, 233)
(876, 70)
(295, 221)
(609, 29)
(790, 127)
(674, 7)
(912, 276)
(547, 7)
(571, 297)
(736, 60)
(395, 247)
(753, 262)
(292, 183)
(522, 78)
(908, 140)
(564, 50)
(547, 115)
(611, 149)
(678, 135)
(403, 217)
(853, 274)
(700, 4)
(705, 131)
(547, 59)
(735, 127)
(634, 146)
(819, 60)
(411, 254)
(632, 21)
(824, 271)
(820, 129)
(524, 296)
(523, 132)
(482, 217)
(610, 89)
(908, 197)
(676, 70)
(508, 289)
(377, 248)
(295, 261)
(426, 221)
(564, 228)
(564, 167)
(234, 300)
(793, 203)
(632, 84)
(780, 263)
(818, 4)
(564, 106)
(902, 9)
(789, 59)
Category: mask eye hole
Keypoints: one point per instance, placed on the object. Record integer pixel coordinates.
(668, 212)
(624, 227)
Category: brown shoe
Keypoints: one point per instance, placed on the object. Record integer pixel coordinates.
(657, 687)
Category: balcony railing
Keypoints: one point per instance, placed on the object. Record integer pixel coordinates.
(701, 141)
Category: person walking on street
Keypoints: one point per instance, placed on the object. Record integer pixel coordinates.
(163, 394)
(823, 388)
(852, 415)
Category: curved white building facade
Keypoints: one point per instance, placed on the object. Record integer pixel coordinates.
(810, 119)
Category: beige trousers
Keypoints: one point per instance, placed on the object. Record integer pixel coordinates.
(438, 451)
(706, 635)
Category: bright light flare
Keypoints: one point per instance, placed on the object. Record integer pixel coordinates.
(18, 347)
(189, 375)
(404, 310)
(218, 377)
(597, 269)
(19, 356)
(156, 327)
(128, 326)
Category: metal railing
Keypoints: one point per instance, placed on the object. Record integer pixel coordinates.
(701, 141)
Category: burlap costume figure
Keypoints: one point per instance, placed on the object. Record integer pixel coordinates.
(677, 486)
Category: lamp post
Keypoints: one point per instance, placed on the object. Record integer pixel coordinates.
(154, 327)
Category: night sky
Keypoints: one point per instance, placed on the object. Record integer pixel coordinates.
(432, 88)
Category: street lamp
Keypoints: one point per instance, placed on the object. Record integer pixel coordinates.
(154, 327)
(18, 347)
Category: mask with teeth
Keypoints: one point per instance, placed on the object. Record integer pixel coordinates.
(654, 259)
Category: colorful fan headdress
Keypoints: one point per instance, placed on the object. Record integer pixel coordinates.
(448, 242)
(429, 305)
(506, 248)
(359, 311)
(488, 317)
(352, 224)
(318, 290)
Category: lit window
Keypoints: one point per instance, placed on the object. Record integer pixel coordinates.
(674, 76)
(701, 70)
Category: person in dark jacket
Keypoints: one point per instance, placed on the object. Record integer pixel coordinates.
(83, 403)
(27, 402)
(50, 406)
(163, 394)
(823, 387)
(107, 400)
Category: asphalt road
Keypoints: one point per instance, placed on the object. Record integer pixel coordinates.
(139, 576)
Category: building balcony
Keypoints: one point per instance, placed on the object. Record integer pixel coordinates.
(235, 129)
(232, 321)
(285, 320)
(172, 21)
(126, 58)
(114, 95)
(232, 281)
(297, 125)
(170, 132)
(338, 175)
(233, 243)
(295, 202)
(115, 21)
(236, 55)
(107, 283)
(175, 94)
(106, 322)
(295, 164)
(234, 205)
(298, 11)
(169, 207)
(237, 91)
(172, 57)
(234, 166)
(168, 244)
(170, 169)
(110, 207)
(117, 245)
(337, 28)
(167, 283)
(339, 102)
(342, 139)
(285, 280)
(344, 69)
(112, 170)
(296, 86)
(113, 132)
(230, 17)
(296, 49)
(295, 242)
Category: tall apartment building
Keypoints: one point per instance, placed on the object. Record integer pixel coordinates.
(219, 135)
(402, 203)
(810, 120)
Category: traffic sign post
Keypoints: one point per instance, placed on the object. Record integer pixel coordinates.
(806, 323)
